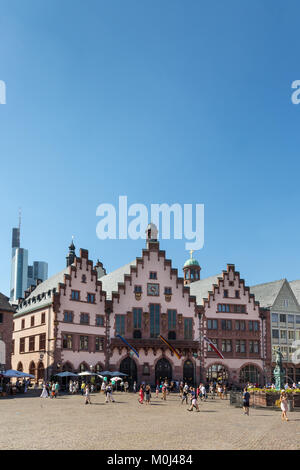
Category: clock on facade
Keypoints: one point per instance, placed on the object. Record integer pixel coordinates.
(153, 289)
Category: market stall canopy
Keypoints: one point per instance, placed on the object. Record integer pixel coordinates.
(117, 374)
(106, 372)
(11, 373)
(87, 373)
(66, 374)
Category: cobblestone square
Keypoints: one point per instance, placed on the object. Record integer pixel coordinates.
(30, 422)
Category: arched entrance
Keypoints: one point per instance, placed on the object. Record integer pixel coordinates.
(250, 373)
(163, 370)
(217, 373)
(67, 367)
(41, 371)
(32, 368)
(128, 367)
(188, 372)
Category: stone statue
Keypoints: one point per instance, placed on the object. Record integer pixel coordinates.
(278, 370)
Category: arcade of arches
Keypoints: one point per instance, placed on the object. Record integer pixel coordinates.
(220, 373)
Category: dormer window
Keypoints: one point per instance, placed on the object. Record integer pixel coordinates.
(153, 275)
(168, 290)
(137, 289)
(83, 278)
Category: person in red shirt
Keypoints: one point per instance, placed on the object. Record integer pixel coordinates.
(141, 393)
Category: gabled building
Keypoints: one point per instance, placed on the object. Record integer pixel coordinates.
(60, 324)
(147, 299)
(233, 321)
(282, 298)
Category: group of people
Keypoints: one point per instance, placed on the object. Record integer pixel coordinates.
(50, 389)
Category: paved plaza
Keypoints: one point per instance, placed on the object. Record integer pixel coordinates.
(30, 422)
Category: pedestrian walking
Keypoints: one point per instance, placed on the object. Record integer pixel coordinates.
(82, 388)
(246, 401)
(157, 391)
(108, 392)
(87, 395)
(193, 397)
(203, 392)
(284, 406)
(134, 387)
(126, 386)
(56, 389)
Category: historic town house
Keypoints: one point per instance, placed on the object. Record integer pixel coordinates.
(71, 321)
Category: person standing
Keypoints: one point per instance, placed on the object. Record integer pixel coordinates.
(157, 391)
(82, 388)
(134, 387)
(53, 390)
(284, 405)
(87, 395)
(44, 393)
(185, 393)
(164, 392)
(180, 389)
(203, 392)
(103, 387)
(141, 394)
(148, 394)
(246, 401)
(126, 386)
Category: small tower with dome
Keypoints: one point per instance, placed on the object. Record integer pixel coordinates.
(191, 270)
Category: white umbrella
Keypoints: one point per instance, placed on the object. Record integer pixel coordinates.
(116, 379)
(87, 373)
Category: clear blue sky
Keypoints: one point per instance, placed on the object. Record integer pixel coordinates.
(162, 101)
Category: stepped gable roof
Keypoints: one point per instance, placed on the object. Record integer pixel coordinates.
(202, 287)
(110, 281)
(4, 303)
(267, 293)
(41, 296)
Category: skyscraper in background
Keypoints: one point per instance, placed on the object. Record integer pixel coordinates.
(39, 270)
(22, 275)
(19, 273)
(15, 240)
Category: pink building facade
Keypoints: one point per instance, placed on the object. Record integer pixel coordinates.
(72, 322)
(234, 322)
